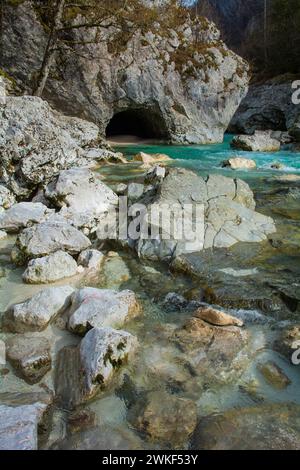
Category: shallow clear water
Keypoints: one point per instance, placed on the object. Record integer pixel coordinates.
(160, 363)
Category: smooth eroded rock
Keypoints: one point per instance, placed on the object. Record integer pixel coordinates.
(239, 163)
(36, 313)
(216, 317)
(30, 356)
(58, 265)
(93, 307)
(259, 142)
(22, 215)
(102, 352)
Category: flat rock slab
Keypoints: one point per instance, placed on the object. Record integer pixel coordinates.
(36, 313)
(23, 214)
(30, 356)
(19, 426)
(54, 267)
(93, 307)
(50, 236)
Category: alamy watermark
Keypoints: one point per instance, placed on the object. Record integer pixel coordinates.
(296, 354)
(177, 222)
(296, 93)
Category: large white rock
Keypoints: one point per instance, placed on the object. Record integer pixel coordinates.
(23, 214)
(81, 195)
(102, 352)
(93, 307)
(259, 142)
(54, 267)
(50, 236)
(36, 313)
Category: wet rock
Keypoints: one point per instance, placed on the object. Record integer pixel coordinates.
(164, 418)
(50, 236)
(91, 259)
(84, 200)
(155, 175)
(22, 215)
(58, 265)
(274, 375)
(102, 352)
(19, 426)
(3, 235)
(288, 342)
(93, 307)
(135, 191)
(36, 313)
(277, 166)
(216, 317)
(81, 419)
(259, 142)
(214, 352)
(115, 270)
(30, 356)
(239, 163)
(68, 389)
(175, 301)
(101, 437)
(149, 160)
(7, 198)
(102, 155)
(265, 427)
(287, 178)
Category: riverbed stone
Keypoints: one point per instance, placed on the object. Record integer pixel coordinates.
(214, 352)
(102, 352)
(30, 356)
(261, 141)
(58, 265)
(81, 196)
(36, 313)
(50, 236)
(150, 159)
(90, 259)
(216, 317)
(166, 419)
(19, 426)
(239, 163)
(274, 375)
(92, 307)
(265, 427)
(22, 215)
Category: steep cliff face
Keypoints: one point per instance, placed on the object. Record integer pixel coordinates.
(235, 18)
(182, 83)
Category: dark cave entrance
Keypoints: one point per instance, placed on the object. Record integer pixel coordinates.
(143, 123)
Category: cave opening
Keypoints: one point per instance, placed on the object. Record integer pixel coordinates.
(141, 123)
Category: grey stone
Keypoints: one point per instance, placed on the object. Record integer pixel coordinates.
(22, 215)
(19, 426)
(135, 191)
(90, 259)
(54, 267)
(36, 313)
(7, 199)
(102, 351)
(84, 199)
(30, 356)
(50, 236)
(259, 142)
(93, 307)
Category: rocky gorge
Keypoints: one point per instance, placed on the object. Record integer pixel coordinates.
(143, 343)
